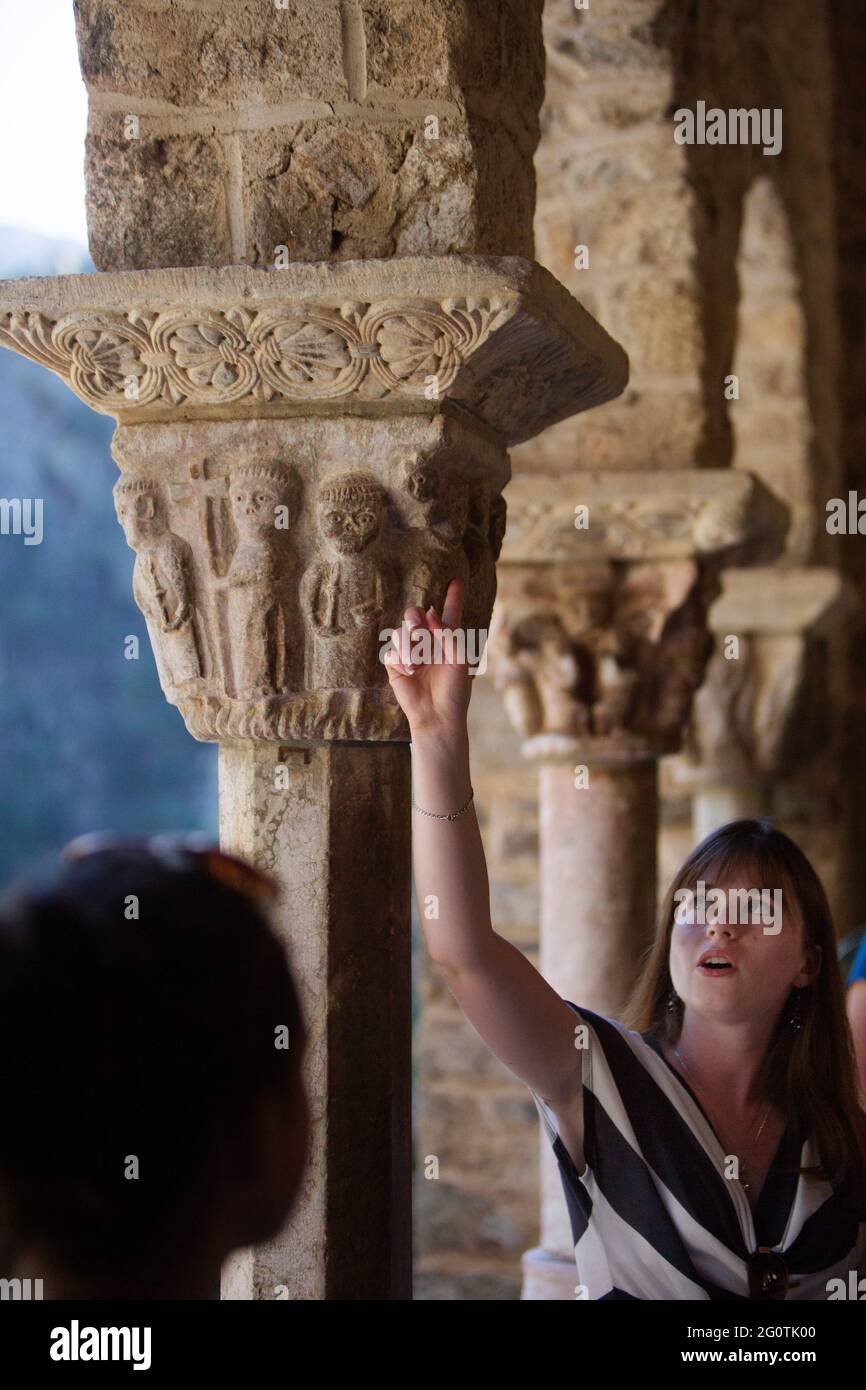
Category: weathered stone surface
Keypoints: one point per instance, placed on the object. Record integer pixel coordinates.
(773, 599)
(762, 707)
(587, 516)
(459, 1144)
(499, 338)
(599, 663)
(271, 568)
(598, 40)
(329, 190)
(346, 128)
(251, 50)
(640, 430)
(464, 1217)
(329, 825)
(462, 49)
(158, 201)
(773, 429)
(670, 341)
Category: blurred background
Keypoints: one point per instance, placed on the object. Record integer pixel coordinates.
(88, 741)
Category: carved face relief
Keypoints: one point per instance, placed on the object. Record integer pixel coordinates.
(350, 528)
(351, 513)
(139, 515)
(422, 483)
(253, 504)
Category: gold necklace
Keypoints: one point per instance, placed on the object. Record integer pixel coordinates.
(744, 1165)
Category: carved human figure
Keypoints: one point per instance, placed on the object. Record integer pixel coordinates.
(608, 681)
(438, 519)
(349, 596)
(661, 620)
(576, 667)
(162, 585)
(538, 675)
(259, 578)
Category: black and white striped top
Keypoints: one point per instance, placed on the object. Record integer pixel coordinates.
(652, 1214)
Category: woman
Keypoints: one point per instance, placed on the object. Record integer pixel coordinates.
(711, 1144)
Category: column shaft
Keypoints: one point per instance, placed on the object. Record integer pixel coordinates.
(598, 879)
(330, 823)
(598, 900)
(718, 804)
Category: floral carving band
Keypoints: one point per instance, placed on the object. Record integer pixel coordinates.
(115, 361)
(508, 344)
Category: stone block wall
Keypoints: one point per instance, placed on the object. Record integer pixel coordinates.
(613, 192)
(272, 130)
(703, 262)
(474, 1219)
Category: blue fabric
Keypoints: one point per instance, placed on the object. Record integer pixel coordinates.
(858, 968)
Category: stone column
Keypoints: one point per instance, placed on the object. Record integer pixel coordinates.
(310, 816)
(598, 653)
(303, 454)
(274, 131)
(759, 710)
(305, 450)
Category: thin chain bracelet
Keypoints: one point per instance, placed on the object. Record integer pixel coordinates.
(453, 815)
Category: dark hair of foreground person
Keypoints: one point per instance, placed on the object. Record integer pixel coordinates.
(154, 1117)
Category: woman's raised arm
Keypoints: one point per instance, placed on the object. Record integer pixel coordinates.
(517, 1014)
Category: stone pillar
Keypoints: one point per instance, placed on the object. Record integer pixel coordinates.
(764, 706)
(598, 653)
(303, 454)
(597, 866)
(328, 822)
(274, 131)
(307, 449)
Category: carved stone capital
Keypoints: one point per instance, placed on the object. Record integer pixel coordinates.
(273, 558)
(305, 453)
(586, 517)
(600, 662)
(497, 338)
(762, 706)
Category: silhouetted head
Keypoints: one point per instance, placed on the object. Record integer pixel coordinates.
(150, 1042)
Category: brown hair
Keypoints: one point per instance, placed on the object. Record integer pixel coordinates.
(810, 1072)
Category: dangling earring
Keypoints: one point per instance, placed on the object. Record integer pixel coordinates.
(673, 1000)
(796, 1018)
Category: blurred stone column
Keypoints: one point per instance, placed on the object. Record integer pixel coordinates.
(598, 653)
(765, 705)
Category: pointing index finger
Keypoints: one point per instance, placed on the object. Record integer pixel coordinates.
(452, 608)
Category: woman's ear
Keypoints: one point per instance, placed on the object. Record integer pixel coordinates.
(811, 970)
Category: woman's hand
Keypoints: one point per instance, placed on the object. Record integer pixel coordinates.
(430, 676)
